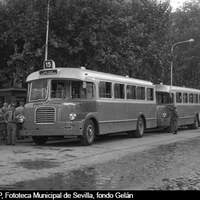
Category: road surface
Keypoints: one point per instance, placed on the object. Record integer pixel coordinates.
(157, 161)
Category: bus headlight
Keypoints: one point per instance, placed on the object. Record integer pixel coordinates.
(21, 118)
(72, 116)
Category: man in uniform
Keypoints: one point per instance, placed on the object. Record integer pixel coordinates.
(5, 107)
(2, 127)
(19, 111)
(10, 119)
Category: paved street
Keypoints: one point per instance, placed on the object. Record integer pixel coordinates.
(158, 161)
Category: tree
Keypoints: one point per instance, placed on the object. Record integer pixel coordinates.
(22, 34)
(124, 37)
(185, 25)
(117, 36)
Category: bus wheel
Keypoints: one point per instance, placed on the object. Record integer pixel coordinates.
(40, 140)
(88, 134)
(139, 131)
(195, 124)
(140, 128)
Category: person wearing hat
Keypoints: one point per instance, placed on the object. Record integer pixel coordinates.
(11, 121)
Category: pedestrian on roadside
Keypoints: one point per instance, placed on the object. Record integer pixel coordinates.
(10, 119)
(2, 127)
(20, 108)
(19, 112)
(173, 118)
(5, 107)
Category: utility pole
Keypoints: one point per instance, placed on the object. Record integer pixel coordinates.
(172, 49)
(47, 31)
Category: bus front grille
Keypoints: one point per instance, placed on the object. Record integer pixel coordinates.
(45, 115)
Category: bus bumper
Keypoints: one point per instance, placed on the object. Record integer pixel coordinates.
(73, 128)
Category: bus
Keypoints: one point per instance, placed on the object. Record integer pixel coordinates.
(85, 103)
(186, 100)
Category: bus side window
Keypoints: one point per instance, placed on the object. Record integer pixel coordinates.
(119, 91)
(131, 92)
(185, 98)
(105, 89)
(178, 97)
(141, 93)
(150, 94)
(195, 98)
(191, 98)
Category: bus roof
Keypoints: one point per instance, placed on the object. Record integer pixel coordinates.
(168, 88)
(84, 75)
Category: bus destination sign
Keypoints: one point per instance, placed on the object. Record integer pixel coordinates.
(48, 72)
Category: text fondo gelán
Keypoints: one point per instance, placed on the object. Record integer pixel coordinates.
(67, 195)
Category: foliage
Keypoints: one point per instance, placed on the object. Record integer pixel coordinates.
(22, 34)
(127, 37)
(185, 25)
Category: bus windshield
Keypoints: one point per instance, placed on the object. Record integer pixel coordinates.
(164, 98)
(61, 89)
(58, 89)
(72, 89)
(38, 90)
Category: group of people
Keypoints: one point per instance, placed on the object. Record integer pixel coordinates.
(9, 124)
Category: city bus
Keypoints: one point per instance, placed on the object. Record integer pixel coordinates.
(186, 100)
(85, 103)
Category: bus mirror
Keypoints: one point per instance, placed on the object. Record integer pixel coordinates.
(84, 85)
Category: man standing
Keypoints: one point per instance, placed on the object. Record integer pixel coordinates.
(173, 118)
(20, 108)
(2, 127)
(5, 107)
(10, 119)
(19, 111)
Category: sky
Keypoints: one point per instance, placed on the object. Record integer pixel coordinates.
(177, 3)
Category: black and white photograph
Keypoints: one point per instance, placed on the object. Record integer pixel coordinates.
(99, 98)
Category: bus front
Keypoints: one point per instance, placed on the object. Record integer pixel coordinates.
(58, 103)
(164, 100)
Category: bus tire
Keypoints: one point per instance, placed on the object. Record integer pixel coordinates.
(195, 124)
(139, 132)
(40, 140)
(140, 128)
(88, 134)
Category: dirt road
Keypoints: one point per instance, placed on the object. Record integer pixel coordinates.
(114, 162)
